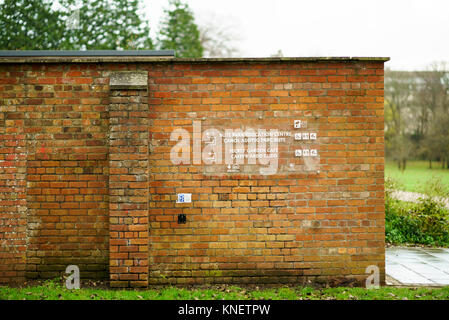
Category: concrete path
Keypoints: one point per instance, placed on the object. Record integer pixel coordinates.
(417, 266)
(411, 196)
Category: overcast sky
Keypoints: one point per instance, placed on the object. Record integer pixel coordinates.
(413, 33)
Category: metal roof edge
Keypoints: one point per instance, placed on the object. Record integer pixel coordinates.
(86, 53)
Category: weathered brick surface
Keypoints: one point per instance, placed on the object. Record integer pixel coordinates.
(73, 182)
(277, 228)
(128, 188)
(12, 189)
(62, 112)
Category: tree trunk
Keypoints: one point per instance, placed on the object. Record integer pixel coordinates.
(404, 162)
(430, 163)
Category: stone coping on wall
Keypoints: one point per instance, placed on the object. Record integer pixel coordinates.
(95, 56)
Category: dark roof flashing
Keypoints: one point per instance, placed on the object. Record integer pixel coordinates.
(87, 53)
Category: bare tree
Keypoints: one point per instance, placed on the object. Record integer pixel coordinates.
(399, 89)
(417, 115)
(433, 99)
(218, 38)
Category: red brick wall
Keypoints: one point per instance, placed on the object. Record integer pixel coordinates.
(274, 228)
(61, 110)
(128, 188)
(322, 224)
(12, 190)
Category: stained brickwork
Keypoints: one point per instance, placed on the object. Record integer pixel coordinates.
(285, 227)
(12, 193)
(62, 112)
(128, 188)
(87, 175)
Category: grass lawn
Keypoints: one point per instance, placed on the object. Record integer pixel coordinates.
(415, 174)
(51, 290)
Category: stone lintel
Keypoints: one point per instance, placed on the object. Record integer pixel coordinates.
(132, 80)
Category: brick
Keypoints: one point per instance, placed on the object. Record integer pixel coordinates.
(91, 169)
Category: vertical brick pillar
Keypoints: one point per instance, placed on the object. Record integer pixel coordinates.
(128, 179)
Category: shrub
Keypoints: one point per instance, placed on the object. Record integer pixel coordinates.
(425, 222)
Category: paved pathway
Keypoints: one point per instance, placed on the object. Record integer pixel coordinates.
(418, 266)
